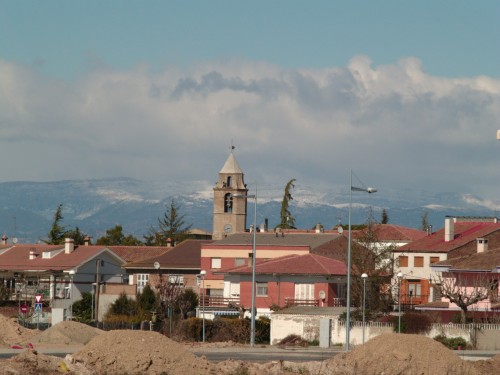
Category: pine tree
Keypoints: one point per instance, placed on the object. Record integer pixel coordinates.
(57, 233)
(385, 217)
(170, 226)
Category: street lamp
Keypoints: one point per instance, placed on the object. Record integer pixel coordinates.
(400, 277)
(71, 275)
(254, 261)
(364, 276)
(369, 190)
(202, 275)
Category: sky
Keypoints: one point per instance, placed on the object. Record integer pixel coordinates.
(404, 93)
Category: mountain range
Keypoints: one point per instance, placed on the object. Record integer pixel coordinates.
(95, 205)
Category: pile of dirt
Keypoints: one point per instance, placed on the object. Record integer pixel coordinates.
(32, 363)
(399, 354)
(139, 352)
(490, 366)
(11, 333)
(68, 333)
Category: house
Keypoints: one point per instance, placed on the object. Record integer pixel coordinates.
(236, 250)
(60, 274)
(181, 264)
(469, 275)
(308, 279)
(415, 260)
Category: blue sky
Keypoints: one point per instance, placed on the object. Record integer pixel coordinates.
(66, 38)
(406, 93)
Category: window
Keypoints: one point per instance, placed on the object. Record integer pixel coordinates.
(403, 261)
(261, 289)
(176, 279)
(414, 289)
(216, 263)
(228, 183)
(418, 261)
(434, 260)
(239, 262)
(228, 203)
(142, 281)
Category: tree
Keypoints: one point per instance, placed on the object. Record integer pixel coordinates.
(82, 309)
(77, 236)
(147, 300)
(465, 290)
(385, 217)
(171, 226)
(115, 237)
(424, 220)
(57, 232)
(287, 220)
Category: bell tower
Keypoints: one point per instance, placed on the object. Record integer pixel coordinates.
(230, 202)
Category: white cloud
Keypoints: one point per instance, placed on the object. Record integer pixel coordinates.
(394, 124)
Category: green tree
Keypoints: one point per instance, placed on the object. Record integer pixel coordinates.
(76, 235)
(170, 226)
(123, 305)
(287, 220)
(57, 233)
(385, 217)
(424, 220)
(82, 309)
(147, 300)
(115, 237)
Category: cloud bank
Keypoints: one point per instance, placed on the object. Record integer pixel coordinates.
(395, 125)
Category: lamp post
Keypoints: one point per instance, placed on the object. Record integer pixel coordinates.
(364, 276)
(400, 277)
(368, 190)
(202, 275)
(71, 276)
(254, 261)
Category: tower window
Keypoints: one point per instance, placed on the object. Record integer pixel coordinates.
(228, 203)
(229, 179)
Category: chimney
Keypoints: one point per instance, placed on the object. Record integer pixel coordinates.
(169, 242)
(33, 254)
(69, 245)
(4, 239)
(86, 241)
(482, 245)
(449, 229)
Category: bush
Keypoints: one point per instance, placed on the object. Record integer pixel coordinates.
(415, 322)
(452, 342)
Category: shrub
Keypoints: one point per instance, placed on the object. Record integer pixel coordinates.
(451, 342)
(415, 322)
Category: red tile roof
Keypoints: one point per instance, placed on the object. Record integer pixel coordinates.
(310, 264)
(186, 255)
(391, 232)
(465, 232)
(16, 258)
(486, 261)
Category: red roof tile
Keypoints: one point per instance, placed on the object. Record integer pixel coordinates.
(310, 264)
(465, 232)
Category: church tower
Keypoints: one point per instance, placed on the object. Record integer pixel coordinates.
(230, 202)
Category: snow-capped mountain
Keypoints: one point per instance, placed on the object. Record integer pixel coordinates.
(27, 208)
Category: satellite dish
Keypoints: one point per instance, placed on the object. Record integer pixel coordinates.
(14, 240)
(340, 230)
(157, 265)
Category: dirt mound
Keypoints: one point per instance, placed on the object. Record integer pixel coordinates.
(68, 333)
(11, 333)
(399, 354)
(140, 352)
(31, 363)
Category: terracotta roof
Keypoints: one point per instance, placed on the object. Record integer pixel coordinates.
(433, 305)
(465, 232)
(16, 258)
(486, 261)
(136, 253)
(309, 264)
(312, 240)
(391, 232)
(186, 255)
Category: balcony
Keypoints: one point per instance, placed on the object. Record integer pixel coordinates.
(336, 302)
(219, 301)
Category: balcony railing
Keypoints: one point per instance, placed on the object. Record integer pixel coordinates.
(219, 301)
(335, 302)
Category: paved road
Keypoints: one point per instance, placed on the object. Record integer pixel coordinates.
(266, 354)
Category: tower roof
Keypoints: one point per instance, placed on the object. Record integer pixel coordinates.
(231, 165)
